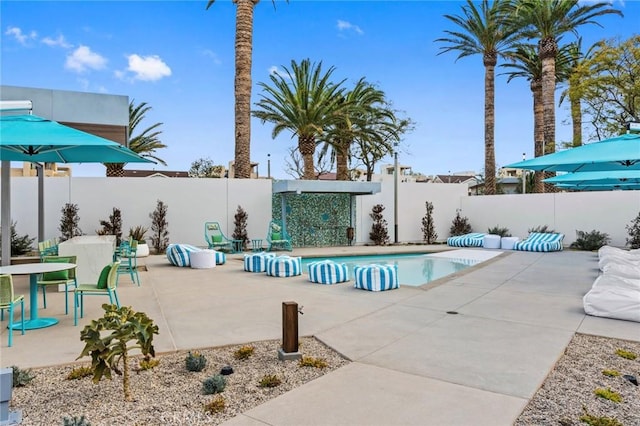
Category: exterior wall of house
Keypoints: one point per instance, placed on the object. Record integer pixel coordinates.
(191, 202)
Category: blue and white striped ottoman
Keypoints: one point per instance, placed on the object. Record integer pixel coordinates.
(328, 272)
(178, 254)
(257, 262)
(221, 258)
(284, 266)
(376, 277)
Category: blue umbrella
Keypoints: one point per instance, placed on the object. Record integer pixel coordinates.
(614, 177)
(599, 187)
(619, 153)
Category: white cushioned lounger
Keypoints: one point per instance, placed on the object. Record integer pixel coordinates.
(605, 261)
(614, 297)
(474, 239)
(284, 266)
(376, 277)
(540, 241)
(615, 251)
(178, 254)
(328, 272)
(621, 270)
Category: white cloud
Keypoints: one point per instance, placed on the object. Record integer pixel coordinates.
(59, 41)
(275, 70)
(148, 68)
(348, 26)
(82, 59)
(213, 55)
(20, 37)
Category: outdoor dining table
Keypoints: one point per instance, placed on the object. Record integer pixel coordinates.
(33, 270)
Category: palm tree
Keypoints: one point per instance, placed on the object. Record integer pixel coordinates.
(303, 101)
(485, 32)
(144, 144)
(548, 21)
(244, 48)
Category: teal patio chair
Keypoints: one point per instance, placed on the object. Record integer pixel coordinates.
(65, 278)
(215, 238)
(127, 254)
(277, 237)
(106, 286)
(8, 300)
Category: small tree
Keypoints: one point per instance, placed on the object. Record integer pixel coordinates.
(379, 234)
(107, 350)
(429, 234)
(113, 226)
(19, 245)
(460, 225)
(634, 233)
(159, 227)
(69, 222)
(240, 231)
(204, 168)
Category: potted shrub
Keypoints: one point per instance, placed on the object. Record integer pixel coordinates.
(138, 234)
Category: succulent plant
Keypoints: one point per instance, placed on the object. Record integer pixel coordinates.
(195, 361)
(213, 384)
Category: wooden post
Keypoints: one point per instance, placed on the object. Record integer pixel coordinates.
(289, 327)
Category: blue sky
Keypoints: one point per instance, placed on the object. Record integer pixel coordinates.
(179, 58)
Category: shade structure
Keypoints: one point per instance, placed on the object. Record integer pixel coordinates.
(619, 153)
(613, 177)
(599, 187)
(36, 139)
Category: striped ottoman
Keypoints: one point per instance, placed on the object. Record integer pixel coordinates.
(284, 266)
(376, 277)
(221, 258)
(328, 272)
(257, 262)
(178, 254)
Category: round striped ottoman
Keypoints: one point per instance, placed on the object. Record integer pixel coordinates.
(203, 259)
(179, 254)
(376, 277)
(221, 258)
(257, 262)
(328, 272)
(284, 266)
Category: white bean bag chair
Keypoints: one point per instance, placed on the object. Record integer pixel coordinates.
(257, 262)
(328, 272)
(607, 250)
(606, 261)
(284, 266)
(179, 254)
(606, 280)
(622, 270)
(612, 297)
(376, 277)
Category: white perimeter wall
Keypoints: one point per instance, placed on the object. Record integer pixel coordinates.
(191, 202)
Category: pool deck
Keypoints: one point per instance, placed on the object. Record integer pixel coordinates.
(414, 363)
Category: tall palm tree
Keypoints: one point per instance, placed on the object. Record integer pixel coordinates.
(548, 21)
(144, 144)
(304, 101)
(243, 48)
(483, 31)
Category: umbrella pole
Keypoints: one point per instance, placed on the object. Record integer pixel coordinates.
(5, 212)
(40, 169)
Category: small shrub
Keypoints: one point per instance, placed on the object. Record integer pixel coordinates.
(138, 233)
(79, 373)
(195, 361)
(269, 381)
(75, 421)
(592, 420)
(543, 229)
(213, 384)
(244, 352)
(503, 232)
(113, 226)
(216, 405)
(21, 377)
(626, 354)
(460, 225)
(159, 227)
(608, 394)
(611, 373)
(19, 245)
(379, 233)
(69, 221)
(633, 229)
(148, 363)
(429, 234)
(590, 241)
(309, 361)
(240, 230)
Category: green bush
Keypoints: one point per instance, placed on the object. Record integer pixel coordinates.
(543, 229)
(460, 225)
(213, 384)
(19, 244)
(75, 421)
(590, 241)
(21, 377)
(379, 234)
(634, 233)
(195, 361)
(496, 230)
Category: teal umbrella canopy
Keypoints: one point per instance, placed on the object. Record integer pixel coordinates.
(614, 177)
(619, 153)
(599, 187)
(36, 139)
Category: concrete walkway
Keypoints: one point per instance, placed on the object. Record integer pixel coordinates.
(470, 349)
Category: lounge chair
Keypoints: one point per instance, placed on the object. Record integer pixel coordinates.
(474, 239)
(540, 241)
(277, 237)
(215, 238)
(614, 297)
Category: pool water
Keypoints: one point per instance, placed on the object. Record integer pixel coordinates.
(413, 269)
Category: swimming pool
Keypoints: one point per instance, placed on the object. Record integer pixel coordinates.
(413, 269)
